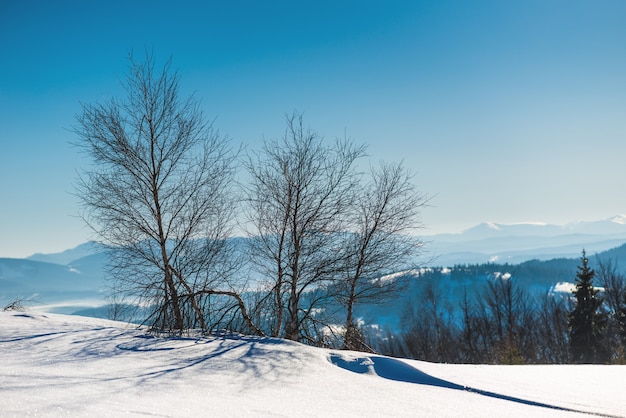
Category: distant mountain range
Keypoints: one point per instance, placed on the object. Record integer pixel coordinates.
(67, 256)
(62, 282)
(515, 243)
(73, 281)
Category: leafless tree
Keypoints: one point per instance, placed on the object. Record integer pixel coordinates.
(552, 329)
(20, 304)
(159, 194)
(469, 340)
(613, 282)
(300, 193)
(614, 296)
(429, 332)
(385, 214)
(511, 319)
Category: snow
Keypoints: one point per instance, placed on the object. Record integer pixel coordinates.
(396, 275)
(501, 276)
(56, 365)
(492, 225)
(619, 219)
(569, 288)
(563, 287)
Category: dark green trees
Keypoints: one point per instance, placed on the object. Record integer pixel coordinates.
(587, 321)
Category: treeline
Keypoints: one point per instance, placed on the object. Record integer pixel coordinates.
(504, 323)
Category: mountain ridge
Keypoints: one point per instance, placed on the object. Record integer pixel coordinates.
(485, 238)
(518, 242)
(613, 225)
(68, 256)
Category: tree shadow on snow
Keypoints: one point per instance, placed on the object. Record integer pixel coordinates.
(251, 356)
(394, 369)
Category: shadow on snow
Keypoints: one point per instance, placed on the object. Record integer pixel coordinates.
(394, 369)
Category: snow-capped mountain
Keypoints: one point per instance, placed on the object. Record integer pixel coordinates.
(515, 243)
(610, 226)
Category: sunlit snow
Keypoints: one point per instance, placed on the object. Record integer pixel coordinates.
(56, 365)
(619, 219)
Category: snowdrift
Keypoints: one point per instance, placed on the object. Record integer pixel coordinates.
(68, 365)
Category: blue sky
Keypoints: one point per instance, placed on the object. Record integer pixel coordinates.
(505, 111)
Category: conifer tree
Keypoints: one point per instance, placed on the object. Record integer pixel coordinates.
(587, 321)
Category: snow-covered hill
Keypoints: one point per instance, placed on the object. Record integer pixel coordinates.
(55, 365)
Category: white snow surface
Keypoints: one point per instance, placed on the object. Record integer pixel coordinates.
(57, 365)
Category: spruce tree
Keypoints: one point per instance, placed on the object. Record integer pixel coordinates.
(587, 321)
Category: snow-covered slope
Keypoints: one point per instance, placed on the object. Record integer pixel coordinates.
(55, 365)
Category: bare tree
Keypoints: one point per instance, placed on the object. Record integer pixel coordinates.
(469, 336)
(386, 212)
(614, 295)
(552, 329)
(511, 319)
(613, 282)
(429, 332)
(300, 193)
(159, 194)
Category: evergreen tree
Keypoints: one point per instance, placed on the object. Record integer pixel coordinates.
(587, 321)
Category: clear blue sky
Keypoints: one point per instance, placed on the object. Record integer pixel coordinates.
(507, 111)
